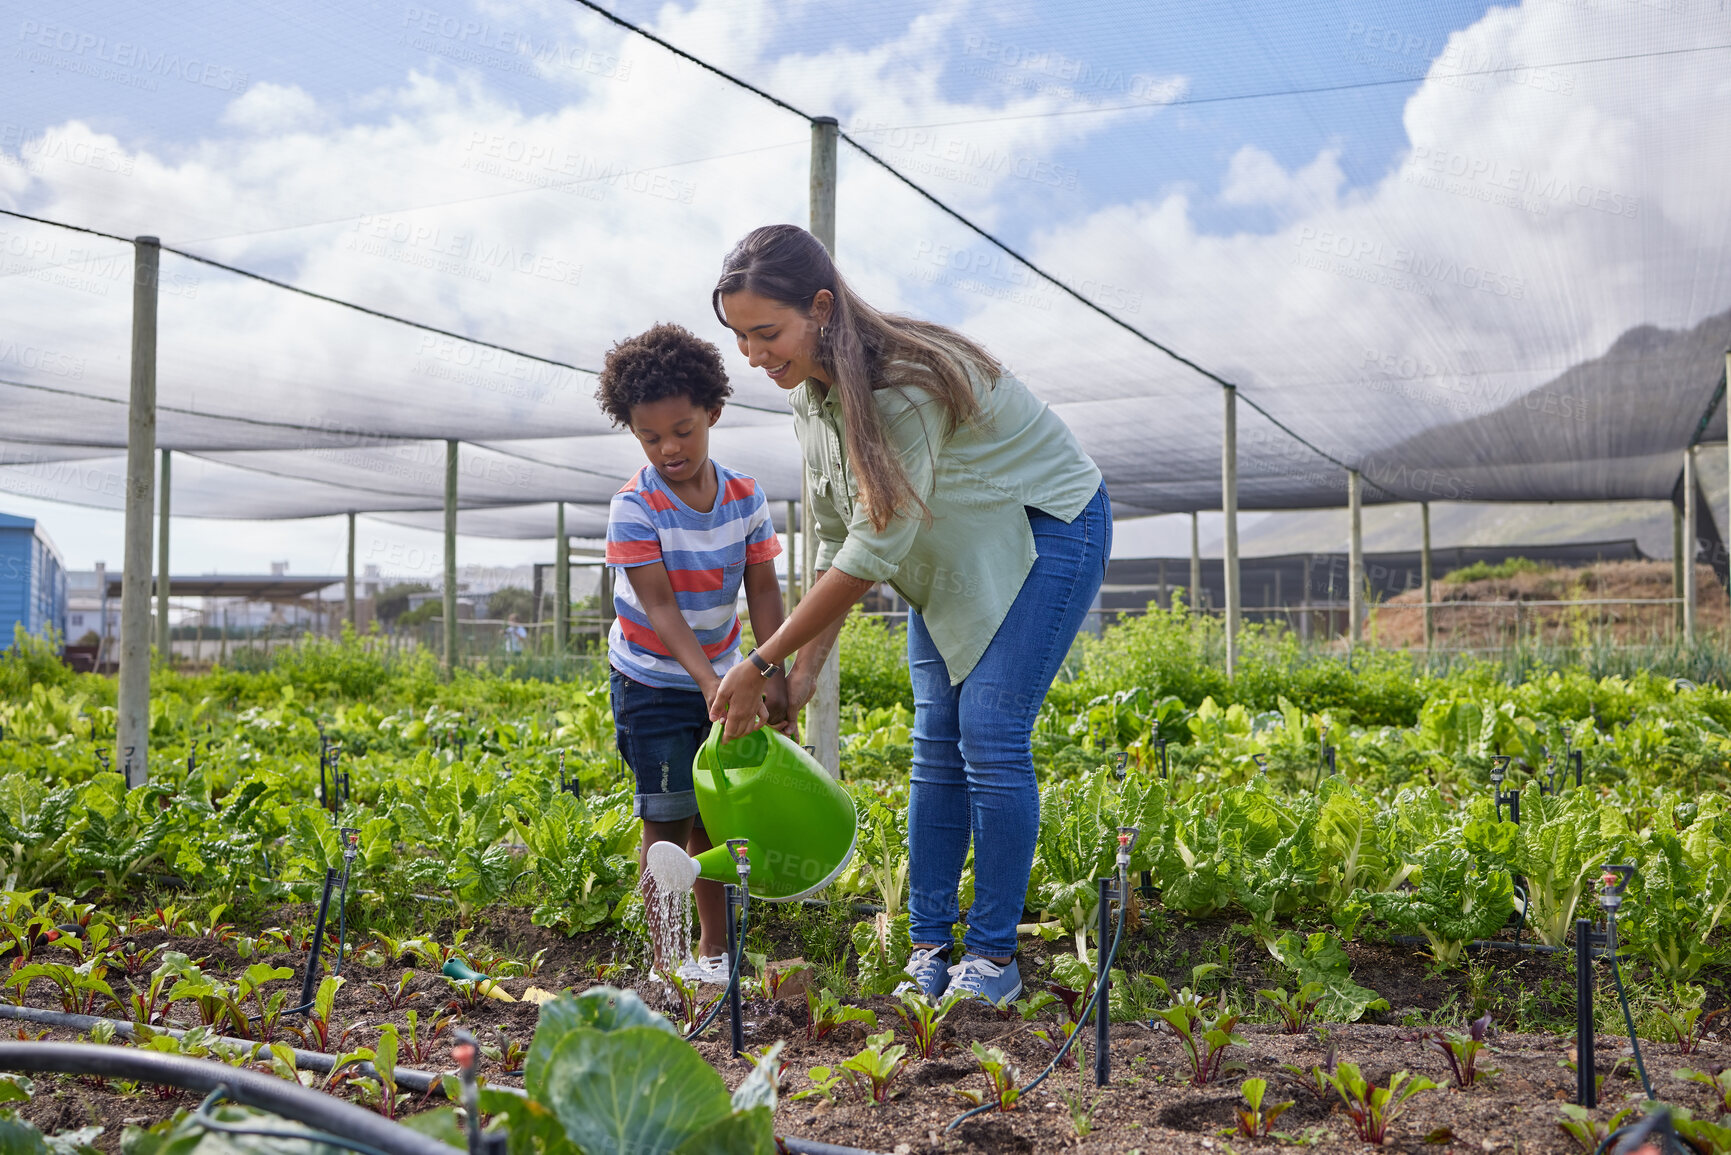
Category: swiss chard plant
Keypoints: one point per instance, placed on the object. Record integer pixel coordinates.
(1373, 1109)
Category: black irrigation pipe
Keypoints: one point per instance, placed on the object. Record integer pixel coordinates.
(422, 1082)
(266, 1092)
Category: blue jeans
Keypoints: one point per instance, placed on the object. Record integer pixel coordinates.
(659, 732)
(973, 767)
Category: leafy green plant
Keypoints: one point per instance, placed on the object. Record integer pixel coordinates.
(1206, 1038)
(826, 1012)
(883, 947)
(1320, 958)
(418, 1049)
(1000, 1074)
(824, 1081)
(84, 989)
(1374, 1109)
(395, 998)
(318, 1029)
(1719, 1084)
(1462, 1051)
(1295, 1009)
(1454, 899)
(876, 1066)
(1257, 1121)
(1688, 1025)
(923, 1016)
(1589, 1133)
(589, 1046)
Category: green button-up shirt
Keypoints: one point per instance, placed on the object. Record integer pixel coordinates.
(963, 567)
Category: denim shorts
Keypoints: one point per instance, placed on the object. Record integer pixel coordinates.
(658, 732)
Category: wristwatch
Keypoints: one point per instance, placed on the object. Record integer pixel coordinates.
(767, 669)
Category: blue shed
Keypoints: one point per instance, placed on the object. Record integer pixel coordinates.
(32, 580)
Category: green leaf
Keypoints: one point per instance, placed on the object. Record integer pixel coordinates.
(598, 1008)
(16, 1089)
(441, 1125)
(742, 1133)
(1322, 959)
(759, 1087)
(18, 1137)
(631, 1090)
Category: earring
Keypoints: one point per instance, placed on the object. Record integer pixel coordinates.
(822, 332)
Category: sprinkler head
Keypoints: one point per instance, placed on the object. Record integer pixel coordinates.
(674, 870)
(1499, 769)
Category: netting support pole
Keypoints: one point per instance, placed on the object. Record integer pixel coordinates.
(1355, 558)
(1195, 561)
(164, 639)
(1691, 543)
(793, 590)
(349, 578)
(823, 712)
(1425, 575)
(1677, 568)
(561, 582)
(450, 657)
(132, 726)
(1229, 508)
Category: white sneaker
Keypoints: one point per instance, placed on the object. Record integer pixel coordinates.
(708, 969)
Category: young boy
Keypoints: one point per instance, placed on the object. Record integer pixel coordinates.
(686, 532)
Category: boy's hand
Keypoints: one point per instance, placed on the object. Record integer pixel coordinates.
(780, 717)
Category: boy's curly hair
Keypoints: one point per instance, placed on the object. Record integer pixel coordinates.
(665, 361)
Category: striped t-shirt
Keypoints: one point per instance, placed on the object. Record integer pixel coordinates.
(705, 555)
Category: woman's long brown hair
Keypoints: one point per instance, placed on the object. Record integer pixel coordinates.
(862, 350)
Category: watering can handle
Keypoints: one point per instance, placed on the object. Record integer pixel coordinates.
(709, 754)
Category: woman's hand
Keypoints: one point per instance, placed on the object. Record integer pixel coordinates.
(781, 717)
(739, 700)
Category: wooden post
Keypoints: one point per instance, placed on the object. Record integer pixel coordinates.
(132, 724)
(1229, 508)
(1195, 562)
(164, 639)
(1355, 558)
(1425, 576)
(823, 712)
(1305, 626)
(1677, 568)
(793, 575)
(1691, 543)
(450, 648)
(561, 583)
(349, 578)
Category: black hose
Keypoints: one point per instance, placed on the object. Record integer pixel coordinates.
(423, 1082)
(732, 980)
(203, 1118)
(266, 1092)
(813, 1147)
(1617, 977)
(1094, 998)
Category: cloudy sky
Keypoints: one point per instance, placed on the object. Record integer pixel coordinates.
(1375, 218)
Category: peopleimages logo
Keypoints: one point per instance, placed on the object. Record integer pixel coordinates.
(1371, 254)
(140, 66)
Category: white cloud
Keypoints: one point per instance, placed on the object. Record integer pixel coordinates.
(272, 108)
(1253, 177)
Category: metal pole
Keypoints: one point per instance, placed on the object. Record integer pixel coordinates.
(1677, 566)
(164, 640)
(1425, 575)
(561, 583)
(1195, 562)
(1691, 544)
(132, 724)
(1586, 1087)
(1229, 507)
(1355, 558)
(823, 713)
(450, 556)
(349, 579)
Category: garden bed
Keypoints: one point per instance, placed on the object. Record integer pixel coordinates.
(1149, 1105)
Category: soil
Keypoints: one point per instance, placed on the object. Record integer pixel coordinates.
(1148, 1106)
(1468, 623)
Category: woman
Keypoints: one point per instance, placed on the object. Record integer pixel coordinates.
(934, 470)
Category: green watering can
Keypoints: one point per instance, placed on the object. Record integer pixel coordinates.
(797, 822)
